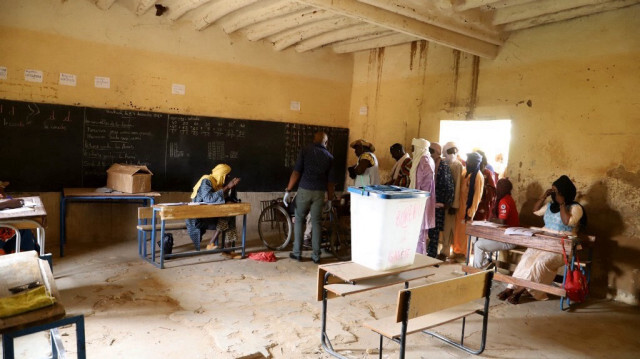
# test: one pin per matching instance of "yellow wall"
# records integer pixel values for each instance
(582, 78)
(225, 76)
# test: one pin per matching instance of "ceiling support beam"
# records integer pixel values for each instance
(473, 23)
(143, 6)
(372, 42)
(538, 8)
(290, 37)
(256, 13)
(406, 25)
(183, 7)
(569, 14)
(104, 4)
(339, 35)
(462, 5)
(220, 9)
(274, 26)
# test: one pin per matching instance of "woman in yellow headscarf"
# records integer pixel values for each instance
(211, 188)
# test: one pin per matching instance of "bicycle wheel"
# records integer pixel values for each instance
(341, 237)
(275, 227)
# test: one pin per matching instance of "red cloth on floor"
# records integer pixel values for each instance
(263, 256)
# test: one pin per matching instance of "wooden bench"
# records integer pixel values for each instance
(431, 305)
(144, 227)
(541, 241)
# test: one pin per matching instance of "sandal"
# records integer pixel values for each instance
(514, 299)
(505, 294)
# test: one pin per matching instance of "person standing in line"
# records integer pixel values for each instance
(450, 151)
(365, 171)
(488, 199)
(402, 168)
(505, 212)
(470, 195)
(421, 177)
(444, 196)
(314, 170)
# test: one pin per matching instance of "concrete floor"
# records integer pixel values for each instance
(212, 307)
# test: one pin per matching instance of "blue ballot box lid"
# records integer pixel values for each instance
(388, 192)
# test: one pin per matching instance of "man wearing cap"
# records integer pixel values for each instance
(421, 177)
(365, 171)
(314, 170)
(450, 151)
(444, 196)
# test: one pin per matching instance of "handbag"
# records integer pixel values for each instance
(575, 284)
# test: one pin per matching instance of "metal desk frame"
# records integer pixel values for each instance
(545, 242)
(89, 195)
(345, 278)
(166, 212)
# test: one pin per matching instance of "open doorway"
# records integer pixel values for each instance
(492, 137)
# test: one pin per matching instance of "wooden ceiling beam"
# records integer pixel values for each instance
(474, 23)
(104, 4)
(538, 8)
(569, 14)
(463, 5)
(339, 35)
(256, 13)
(143, 6)
(175, 12)
(372, 42)
(406, 25)
(292, 36)
(220, 9)
(274, 26)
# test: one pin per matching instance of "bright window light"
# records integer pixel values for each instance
(492, 137)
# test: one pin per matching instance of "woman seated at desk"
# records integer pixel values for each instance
(562, 216)
(211, 188)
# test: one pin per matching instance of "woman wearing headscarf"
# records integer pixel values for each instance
(564, 216)
(211, 188)
(504, 213)
(470, 196)
(421, 177)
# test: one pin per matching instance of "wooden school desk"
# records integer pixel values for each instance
(541, 241)
(90, 195)
(346, 278)
(185, 211)
(26, 218)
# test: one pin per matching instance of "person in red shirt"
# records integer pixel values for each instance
(504, 213)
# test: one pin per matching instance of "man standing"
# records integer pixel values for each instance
(444, 196)
(365, 171)
(450, 152)
(314, 170)
(421, 177)
(402, 168)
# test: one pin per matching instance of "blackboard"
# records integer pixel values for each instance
(48, 147)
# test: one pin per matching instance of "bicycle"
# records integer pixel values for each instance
(275, 227)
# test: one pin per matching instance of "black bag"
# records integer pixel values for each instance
(168, 243)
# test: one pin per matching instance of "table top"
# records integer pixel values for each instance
(25, 212)
(544, 241)
(353, 272)
(91, 192)
(185, 211)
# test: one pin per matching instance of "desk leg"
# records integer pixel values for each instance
(468, 250)
(161, 244)
(153, 238)
(244, 233)
(63, 220)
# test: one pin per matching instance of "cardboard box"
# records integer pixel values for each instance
(129, 178)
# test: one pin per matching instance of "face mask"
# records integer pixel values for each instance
(450, 157)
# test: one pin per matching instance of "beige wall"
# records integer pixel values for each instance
(225, 76)
(582, 78)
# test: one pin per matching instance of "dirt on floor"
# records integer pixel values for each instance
(209, 306)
